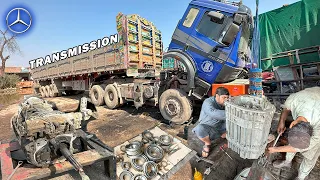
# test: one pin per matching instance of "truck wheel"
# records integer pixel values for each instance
(50, 91)
(96, 95)
(42, 91)
(175, 106)
(46, 90)
(54, 90)
(111, 97)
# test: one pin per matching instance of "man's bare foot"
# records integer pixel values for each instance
(224, 135)
(205, 151)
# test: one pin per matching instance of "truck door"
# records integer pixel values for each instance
(202, 42)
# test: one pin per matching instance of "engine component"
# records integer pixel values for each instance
(147, 135)
(139, 177)
(125, 165)
(45, 133)
(137, 162)
(154, 153)
(165, 140)
(134, 149)
(125, 175)
(150, 169)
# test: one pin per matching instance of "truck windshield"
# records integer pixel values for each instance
(212, 29)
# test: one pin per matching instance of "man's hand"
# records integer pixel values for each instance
(272, 150)
(281, 127)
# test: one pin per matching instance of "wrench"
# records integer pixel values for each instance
(198, 159)
(15, 169)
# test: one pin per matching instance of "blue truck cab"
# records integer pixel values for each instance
(209, 45)
(212, 42)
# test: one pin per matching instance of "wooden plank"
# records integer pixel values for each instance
(84, 158)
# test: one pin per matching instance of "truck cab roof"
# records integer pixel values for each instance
(230, 7)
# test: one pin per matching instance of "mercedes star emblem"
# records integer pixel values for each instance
(19, 20)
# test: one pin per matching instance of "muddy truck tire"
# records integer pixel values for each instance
(42, 91)
(50, 91)
(96, 95)
(175, 106)
(46, 91)
(111, 97)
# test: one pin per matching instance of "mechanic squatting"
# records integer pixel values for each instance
(77, 50)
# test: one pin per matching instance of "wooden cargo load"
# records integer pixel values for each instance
(138, 53)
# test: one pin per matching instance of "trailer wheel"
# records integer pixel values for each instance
(111, 97)
(96, 95)
(42, 91)
(50, 91)
(46, 90)
(175, 106)
(54, 90)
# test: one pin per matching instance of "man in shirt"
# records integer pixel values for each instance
(304, 132)
(212, 120)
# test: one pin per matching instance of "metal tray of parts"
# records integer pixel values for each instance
(175, 160)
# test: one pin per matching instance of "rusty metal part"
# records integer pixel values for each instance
(165, 140)
(125, 174)
(15, 169)
(150, 169)
(134, 149)
(40, 128)
(119, 158)
(154, 152)
(145, 141)
(147, 135)
(137, 162)
(126, 165)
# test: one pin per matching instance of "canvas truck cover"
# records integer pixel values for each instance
(290, 27)
(139, 50)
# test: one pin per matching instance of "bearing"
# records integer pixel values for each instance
(165, 140)
(154, 153)
(126, 165)
(150, 169)
(138, 162)
(125, 174)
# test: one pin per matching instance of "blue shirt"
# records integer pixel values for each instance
(212, 113)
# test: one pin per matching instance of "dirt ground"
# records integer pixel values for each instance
(113, 127)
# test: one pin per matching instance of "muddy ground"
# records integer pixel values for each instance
(113, 127)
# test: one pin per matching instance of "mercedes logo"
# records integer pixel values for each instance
(19, 20)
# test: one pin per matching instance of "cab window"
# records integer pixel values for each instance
(211, 29)
(193, 12)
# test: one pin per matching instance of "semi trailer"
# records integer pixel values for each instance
(209, 45)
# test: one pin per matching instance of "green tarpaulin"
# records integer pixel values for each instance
(290, 27)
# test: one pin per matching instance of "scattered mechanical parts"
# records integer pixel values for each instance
(139, 177)
(126, 165)
(45, 133)
(147, 135)
(124, 175)
(119, 158)
(137, 163)
(164, 163)
(154, 152)
(165, 140)
(150, 169)
(134, 149)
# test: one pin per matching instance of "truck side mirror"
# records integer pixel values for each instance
(230, 35)
(216, 17)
